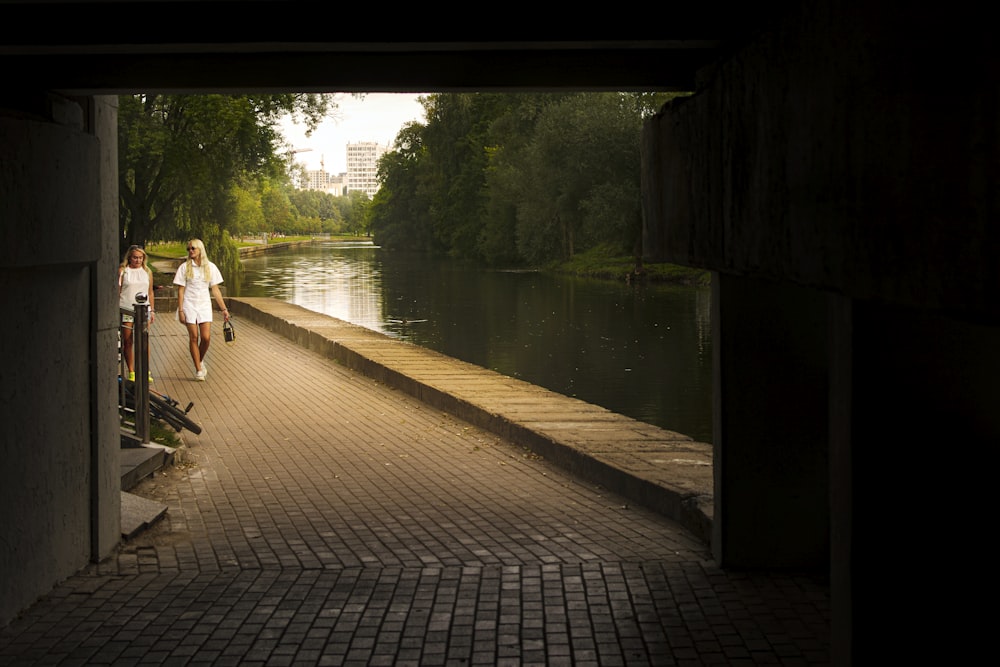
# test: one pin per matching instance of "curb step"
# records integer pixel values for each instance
(139, 513)
(139, 461)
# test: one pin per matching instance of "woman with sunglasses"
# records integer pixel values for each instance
(134, 277)
(198, 281)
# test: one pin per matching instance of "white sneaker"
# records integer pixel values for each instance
(204, 368)
(200, 375)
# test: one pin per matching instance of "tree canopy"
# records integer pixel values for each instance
(501, 179)
(193, 165)
(516, 178)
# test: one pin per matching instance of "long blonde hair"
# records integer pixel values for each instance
(124, 264)
(189, 270)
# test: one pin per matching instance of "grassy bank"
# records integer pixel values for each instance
(602, 264)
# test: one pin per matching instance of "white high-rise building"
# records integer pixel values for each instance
(362, 165)
(316, 180)
(326, 182)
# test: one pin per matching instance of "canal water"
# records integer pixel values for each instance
(640, 350)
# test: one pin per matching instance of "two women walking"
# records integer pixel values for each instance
(197, 281)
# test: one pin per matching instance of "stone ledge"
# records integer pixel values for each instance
(665, 471)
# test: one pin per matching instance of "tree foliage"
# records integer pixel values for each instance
(397, 216)
(581, 178)
(502, 179)
(190, 164)
(248, 213)
(515, 178)
(319, 212)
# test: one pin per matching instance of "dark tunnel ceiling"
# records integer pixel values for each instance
(177, 46)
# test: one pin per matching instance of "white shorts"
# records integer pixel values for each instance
(195, 314)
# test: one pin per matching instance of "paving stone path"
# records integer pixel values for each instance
(322, 518)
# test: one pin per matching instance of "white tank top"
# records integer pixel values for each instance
(134, 281)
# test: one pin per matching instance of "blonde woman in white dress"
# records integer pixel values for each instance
(198, 281)
(134, 277)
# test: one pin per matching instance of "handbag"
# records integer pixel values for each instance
(229, 331)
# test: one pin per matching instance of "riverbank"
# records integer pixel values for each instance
(519, 323)
(602, 264)
(598, 263)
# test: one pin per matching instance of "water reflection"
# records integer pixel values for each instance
(642, 351)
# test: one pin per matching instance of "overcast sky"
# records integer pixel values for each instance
(378, 117)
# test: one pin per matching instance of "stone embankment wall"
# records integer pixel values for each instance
(255, 250)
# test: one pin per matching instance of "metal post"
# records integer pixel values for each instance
(140, 343)
(122, 366)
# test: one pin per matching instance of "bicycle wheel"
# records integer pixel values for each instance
(162, 409)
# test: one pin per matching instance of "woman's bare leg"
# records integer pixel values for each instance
(127, 349)
(206, 339)
(193, 345)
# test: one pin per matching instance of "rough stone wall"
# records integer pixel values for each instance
(844, 151)
(849, 152)
(60, 478)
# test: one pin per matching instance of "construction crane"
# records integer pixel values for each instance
(322, 158)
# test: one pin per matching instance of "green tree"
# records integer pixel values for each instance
(304, 201)
(321, 209)
(456, 138)
(581, 176)
(329, 212)
(248, 215)
(279, 214)
(181, 155)
(505, 179)
(398, 216)
(512, 133)
(356, 220)
(344, 206)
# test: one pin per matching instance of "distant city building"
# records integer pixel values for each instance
(337, 184)
(320, 179)
(361, 174)
(362, 166)
(316, 180)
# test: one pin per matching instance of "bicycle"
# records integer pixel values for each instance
(162, 407)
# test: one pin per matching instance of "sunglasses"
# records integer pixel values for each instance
(191, 247)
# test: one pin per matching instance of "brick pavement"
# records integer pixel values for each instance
(324, 518)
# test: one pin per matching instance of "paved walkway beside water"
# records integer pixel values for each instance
(660, 469)
(328, 517)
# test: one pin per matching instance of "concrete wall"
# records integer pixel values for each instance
(59, 482)
(841, 151)
(839, 174)
(770, 425)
